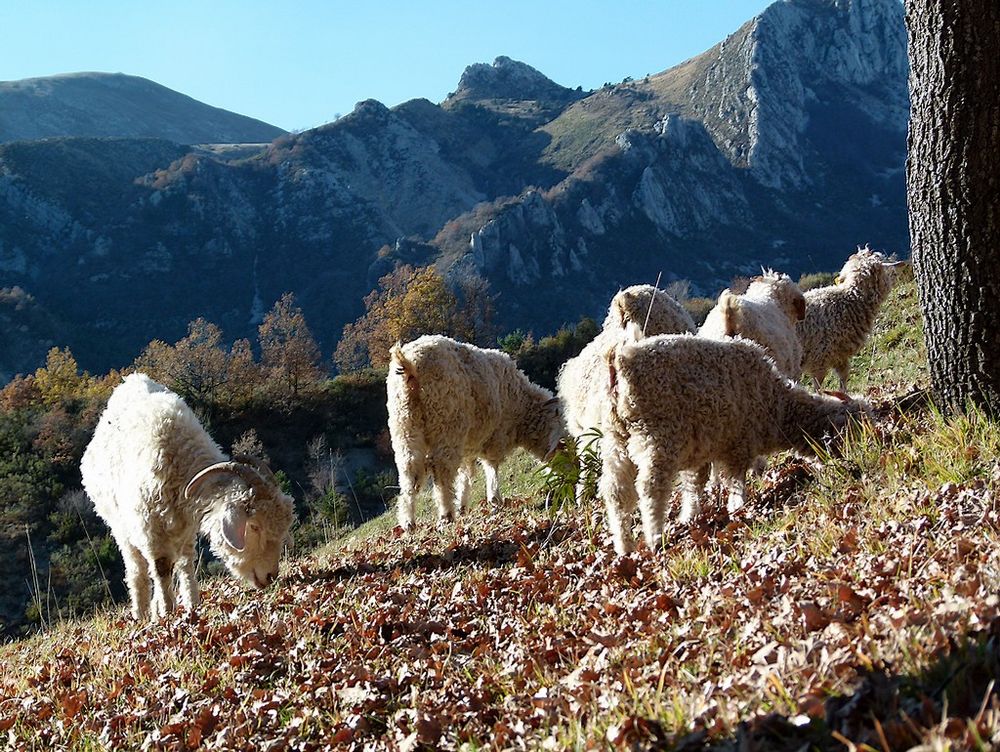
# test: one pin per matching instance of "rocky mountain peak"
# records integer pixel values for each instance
(850, 41)
(371, 108)
(508, 79)
(768, 83)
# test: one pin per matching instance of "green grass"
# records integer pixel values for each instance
(895, 357)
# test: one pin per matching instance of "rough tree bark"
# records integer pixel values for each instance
(953, 187)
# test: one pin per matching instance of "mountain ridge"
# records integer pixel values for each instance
(556, 204)
(115, 105)
(807, 128)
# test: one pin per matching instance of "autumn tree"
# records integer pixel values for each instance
(60, 379)
(196, 367)
(409, 302)
(475, 311)
(201, 369)
(288, 351)
(954, 201)
(245, 376)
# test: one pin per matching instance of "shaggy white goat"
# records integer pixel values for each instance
(632, 306)
(840, 317)
(580, 379)
(679, 403)
(766, 313)
(452, 403)
(157, 478)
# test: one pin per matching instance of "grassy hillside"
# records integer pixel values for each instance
(853, 604)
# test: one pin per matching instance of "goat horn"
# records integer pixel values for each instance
(256, 463)
(242, 471)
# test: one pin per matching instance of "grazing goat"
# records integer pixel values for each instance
(767, 313)
(840, 317)
(452, 403)
(653, 310)
(580, 378)
(157, 478)
(679, 403)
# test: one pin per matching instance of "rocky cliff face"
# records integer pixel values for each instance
(803, 57)
(375, 160)
(782, 146)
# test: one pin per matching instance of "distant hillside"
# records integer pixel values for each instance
(782, 146)
(101, 105)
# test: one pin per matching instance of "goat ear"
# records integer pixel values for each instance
(234, 526)
(800, 308)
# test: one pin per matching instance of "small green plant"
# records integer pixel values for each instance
(283, 481)
(590, 462)
(559, 476)
(373, 489)
(512, 342)
(332, 507)
(571, 475)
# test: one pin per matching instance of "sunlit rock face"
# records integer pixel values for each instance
(782, 146)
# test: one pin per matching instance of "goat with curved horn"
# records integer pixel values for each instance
(146, 469)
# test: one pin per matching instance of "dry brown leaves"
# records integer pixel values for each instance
(781, 627)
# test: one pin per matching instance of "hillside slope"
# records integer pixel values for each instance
(849, 604)
(113, 105)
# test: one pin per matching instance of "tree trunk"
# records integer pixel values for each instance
(953, 188)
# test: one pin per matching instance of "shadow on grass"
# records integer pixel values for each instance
(914, 402)
(494, 552)
(953, 704)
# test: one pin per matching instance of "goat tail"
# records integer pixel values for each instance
(629, 335)
(399, 365)
(730, 305)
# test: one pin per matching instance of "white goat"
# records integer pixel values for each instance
(840, 317)
(580, 379)
(767, 313)
(157, 478)
(652, 309)
(679, 403)
(452, 403)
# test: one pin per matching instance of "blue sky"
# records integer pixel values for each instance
(300, 64)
